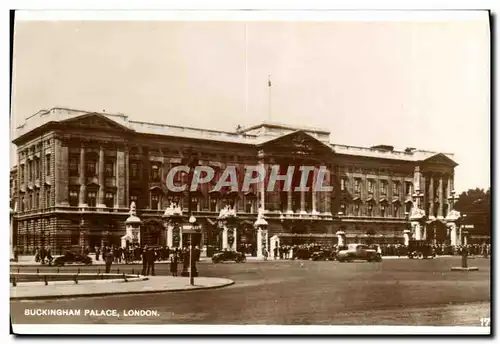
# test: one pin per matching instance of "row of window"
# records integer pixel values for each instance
(31, 168)
(357, 209)
(370, 186)
(32, 201)
(155, 201)
(91, 167)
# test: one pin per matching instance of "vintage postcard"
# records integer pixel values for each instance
(200, 171)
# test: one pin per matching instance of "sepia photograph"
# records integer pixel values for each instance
(204, 170)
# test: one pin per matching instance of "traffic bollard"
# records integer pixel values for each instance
(76, 279)
(45, 278)
(125, 277)
(464, 258)
(78, 271)
(57, 270)
(37, 271)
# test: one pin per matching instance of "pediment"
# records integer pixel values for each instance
(95, 121)
(440, 159)
(297, 143)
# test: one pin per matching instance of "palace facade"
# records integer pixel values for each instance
(78, 172)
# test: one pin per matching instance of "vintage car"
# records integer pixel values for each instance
(323, 255)
(420, 249)
(358, 252)
(72, 258)
(227, 256)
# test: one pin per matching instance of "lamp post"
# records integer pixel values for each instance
(191, 162)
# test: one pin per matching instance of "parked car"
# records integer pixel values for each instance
(420, 249)
(323, 255)
(72, 258)
(358, 252)
(226, 256)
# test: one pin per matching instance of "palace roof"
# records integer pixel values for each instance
(253, 135)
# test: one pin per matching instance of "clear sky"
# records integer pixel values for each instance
(409, 83)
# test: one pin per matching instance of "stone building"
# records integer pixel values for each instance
(78, 173)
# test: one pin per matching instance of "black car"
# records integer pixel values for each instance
(72, 258)
(323, 255)
(226, 256)
(420, 249)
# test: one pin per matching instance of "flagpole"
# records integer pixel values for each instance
(269, 86)
(246, 70)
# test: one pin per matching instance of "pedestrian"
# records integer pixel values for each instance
(109, 260)
(150, 258)
(144, 260)
(174, 260)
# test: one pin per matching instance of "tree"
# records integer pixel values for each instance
(476, 204)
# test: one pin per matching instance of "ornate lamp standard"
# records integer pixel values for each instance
(228, 218)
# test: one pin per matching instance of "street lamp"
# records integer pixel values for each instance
(192, 271)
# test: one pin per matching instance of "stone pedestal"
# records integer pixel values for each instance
(340, 238)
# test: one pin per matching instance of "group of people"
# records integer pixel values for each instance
(43, 255)
(305, 251)
(148, 255)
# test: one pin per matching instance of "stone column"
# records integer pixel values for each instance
(102, 182)
(235, 242)
(416, 184)
(262, 184)
(313, 191)
(453, 233)
(327, 195)
(431, 196)
(83, 182)
(262, 243)
(417, 230)
(340, 238)
(303, 202)
(406, 236)
(120, 201)
(170, 236)
(225, 243)
(289, 209)
(61, 181)
(441, 198)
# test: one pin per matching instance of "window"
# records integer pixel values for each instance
(30, 202)
(213, 204)
(29, 170)
(91, 198)
(370, 209)
(194, 204)
(382, 210)
(134, 170)
(36, 200)
(395, 188)
(408, 188)
(22, 173)
(370, 185)
(356, 209)
(383, 187)
(343, 184)
(342, 208)
(48, 202)
(357, 185)
(395, 210)
(73, 198)
(135, 199)
(155, 201)
(91, 168)
(249, 206)
(73, 166)
(75, 237)
(109, 169)
(155, 172)
(110, 200)
(47, 165)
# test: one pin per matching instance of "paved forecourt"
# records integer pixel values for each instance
(134, 285)
(393, 292)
